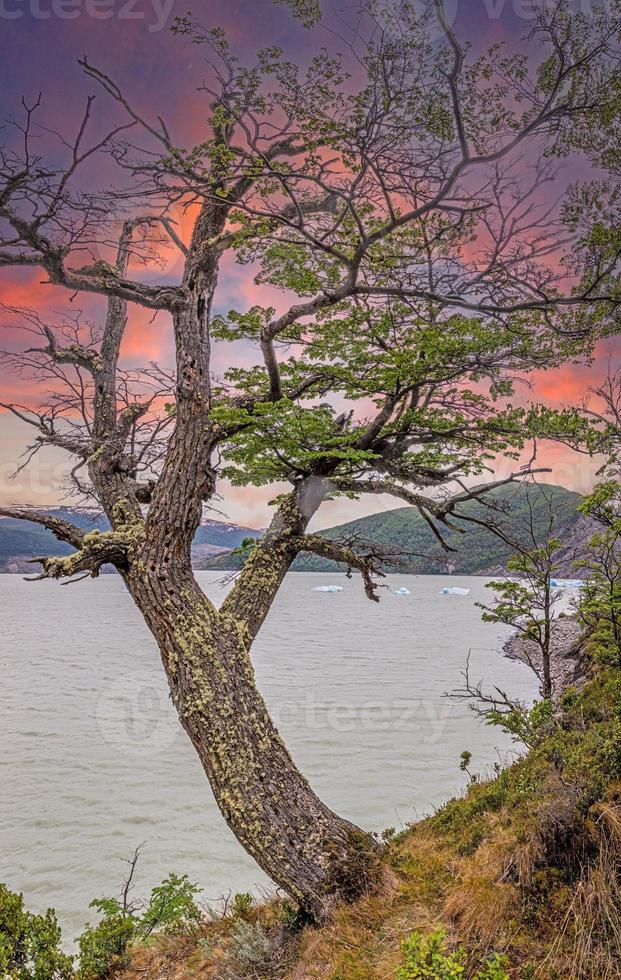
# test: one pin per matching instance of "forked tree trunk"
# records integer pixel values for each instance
(313, 854)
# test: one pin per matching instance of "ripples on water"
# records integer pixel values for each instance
(94, 762)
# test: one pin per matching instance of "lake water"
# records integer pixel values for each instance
(94, 762)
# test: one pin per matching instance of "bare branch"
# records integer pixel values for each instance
(97, 548)
(337, 551)
(63, 530)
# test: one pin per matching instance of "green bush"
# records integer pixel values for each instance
(242, 904)
(105, 945)
(171, 908)
(30, 944)
(428, 958)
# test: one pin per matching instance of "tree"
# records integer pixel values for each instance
(599, 607)
(526, 602)
(403, 214)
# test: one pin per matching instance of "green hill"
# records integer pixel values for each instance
(401, 532)
(404, 533)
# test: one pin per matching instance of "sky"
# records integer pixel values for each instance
(40, 42)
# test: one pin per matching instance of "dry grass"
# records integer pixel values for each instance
(555, 834)
(502, 895)
(426, 885)
(480, 908)
(482, 902)
(589, 942)
(212, 952)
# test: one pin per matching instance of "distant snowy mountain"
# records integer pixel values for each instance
(21, 541)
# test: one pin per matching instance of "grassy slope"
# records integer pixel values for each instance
(477, 550)
(527, 864)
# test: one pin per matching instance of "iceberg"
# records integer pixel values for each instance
(327, 588)
(453, 590)
(566, 583)
(402, 591)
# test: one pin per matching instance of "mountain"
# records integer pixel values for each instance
(21, 540)
(404, 533)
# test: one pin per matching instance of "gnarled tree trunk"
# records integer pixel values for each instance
(313, 854)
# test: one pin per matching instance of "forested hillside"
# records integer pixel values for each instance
(477, 551)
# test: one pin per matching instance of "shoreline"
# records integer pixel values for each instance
(568, 661)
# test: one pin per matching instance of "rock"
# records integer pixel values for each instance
(566, 652)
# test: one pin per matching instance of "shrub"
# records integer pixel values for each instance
(105, 945)
(29, 943)
(292, 916)
(242, 904)
(428, 958)
(252, 944)
(171, 908)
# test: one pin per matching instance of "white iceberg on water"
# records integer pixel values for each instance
(402, 591)
(566, 583)
(328, 588)
(454, 590)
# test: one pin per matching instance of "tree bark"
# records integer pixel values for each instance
(317, 857)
